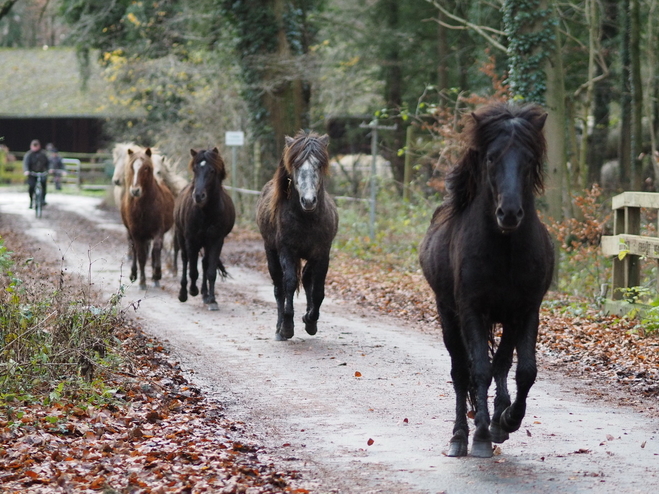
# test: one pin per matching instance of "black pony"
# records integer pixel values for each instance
(203, 215)
(298, 220)
(490, 260)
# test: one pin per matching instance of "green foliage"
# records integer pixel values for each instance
(52, 340)
(399, 228)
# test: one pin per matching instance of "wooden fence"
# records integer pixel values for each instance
(83, 170)
(628, 246)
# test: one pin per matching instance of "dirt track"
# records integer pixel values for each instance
(302, 399)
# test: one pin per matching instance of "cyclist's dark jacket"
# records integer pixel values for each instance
(35, 161)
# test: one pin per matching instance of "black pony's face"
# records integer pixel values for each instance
(307, 179)
(509, 174)
(204, 176)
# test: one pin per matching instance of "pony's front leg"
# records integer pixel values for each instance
(204, 276)
(475, 331)
(156, 260)
(133, 259)
(183, 292)
(501, 363)
(194, 272)
(313, 280)
(274, 267)
(210, 275)
(511, 418)
(290, 283)
(142, 251)
(458, 445)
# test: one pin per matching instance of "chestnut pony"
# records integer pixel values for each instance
(147, 210)
(489, 260)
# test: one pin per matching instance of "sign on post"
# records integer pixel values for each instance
(234, 139)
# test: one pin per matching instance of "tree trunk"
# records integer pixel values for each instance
(602, 93)
(6, 7)
(394, 92)
(288, 102)
(443, 52)
(625, 149)
(555, 132)
(637, 95)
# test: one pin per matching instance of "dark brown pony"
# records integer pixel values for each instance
(489, 260)
(204, 215)
(147, 212)
(298, 220)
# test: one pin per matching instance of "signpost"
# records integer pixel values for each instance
(234, 139)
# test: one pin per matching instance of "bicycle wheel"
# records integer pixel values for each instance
(38, 200)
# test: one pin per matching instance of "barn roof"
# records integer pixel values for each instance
(45, 83)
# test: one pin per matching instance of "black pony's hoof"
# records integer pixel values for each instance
(280, 337)
(183, 297)
(311, 327)
(287, 330)
(213, 306)
(194, 291)
(142, 286)
(510, 423)
(497, 433)
(481, 449)
(458, 445)
(156, 284)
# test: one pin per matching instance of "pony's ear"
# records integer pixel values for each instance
(130, 151)
(289, 140)
(148, 152)
(324, 140)
(193, 153)
(476, 118)
(539, 122)
(216, 151)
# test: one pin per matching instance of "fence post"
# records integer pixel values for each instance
(407, 174)
(374, 151)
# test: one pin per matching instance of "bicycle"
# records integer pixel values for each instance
(38, 192)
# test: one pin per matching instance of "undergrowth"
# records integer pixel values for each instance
(54, 342)
(399, 228)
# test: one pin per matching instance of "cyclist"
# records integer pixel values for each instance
(35, 160)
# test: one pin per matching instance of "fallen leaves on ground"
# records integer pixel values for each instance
(165, 437)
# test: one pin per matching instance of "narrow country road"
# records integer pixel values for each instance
(314, 402)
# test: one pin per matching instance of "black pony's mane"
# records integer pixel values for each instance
(523, 123)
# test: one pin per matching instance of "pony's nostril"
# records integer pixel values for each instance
(520, 214)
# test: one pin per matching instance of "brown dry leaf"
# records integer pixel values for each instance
(358, 374)
(370, 442)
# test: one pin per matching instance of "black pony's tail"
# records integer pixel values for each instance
(222, 270)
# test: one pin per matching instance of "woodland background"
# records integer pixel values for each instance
(271, 67)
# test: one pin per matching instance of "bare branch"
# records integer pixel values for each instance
(477, 29)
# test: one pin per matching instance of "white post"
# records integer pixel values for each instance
(233, 140)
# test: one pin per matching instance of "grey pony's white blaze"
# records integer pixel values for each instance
(307, 182)
(135, 189)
